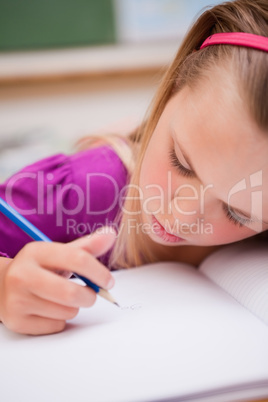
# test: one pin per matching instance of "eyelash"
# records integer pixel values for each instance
(235, 220)
(177, 164)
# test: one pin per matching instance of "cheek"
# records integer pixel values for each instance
(154, 184)
(155, 163)
(154, 174)
(226, 232)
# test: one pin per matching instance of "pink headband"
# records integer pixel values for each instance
(237, 39)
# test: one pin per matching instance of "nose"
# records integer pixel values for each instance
(187, 205)
(185, 214)
(190, 205)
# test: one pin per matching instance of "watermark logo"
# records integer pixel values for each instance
(67, 201)
(255, 181)
(76, 228)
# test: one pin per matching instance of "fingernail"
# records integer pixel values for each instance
(111, 283)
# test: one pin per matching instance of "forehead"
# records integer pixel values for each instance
(221, 139)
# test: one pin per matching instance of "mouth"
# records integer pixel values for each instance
(161, 232)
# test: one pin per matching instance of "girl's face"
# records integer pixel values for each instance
(204, 177)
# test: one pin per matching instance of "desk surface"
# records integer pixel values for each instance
(92, 61)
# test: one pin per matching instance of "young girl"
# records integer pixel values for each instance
(193, 177)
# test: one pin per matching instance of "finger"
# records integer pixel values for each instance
(65, 257)
(97, 243)
(34, 325)
(47, 309)
(56, 289)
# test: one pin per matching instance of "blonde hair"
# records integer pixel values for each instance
(248, 68)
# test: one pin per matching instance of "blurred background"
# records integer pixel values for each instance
(69, 68)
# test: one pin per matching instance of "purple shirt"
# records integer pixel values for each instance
(65, 196)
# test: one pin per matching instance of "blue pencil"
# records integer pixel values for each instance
(36, 234)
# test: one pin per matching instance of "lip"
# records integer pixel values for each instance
(161, 232)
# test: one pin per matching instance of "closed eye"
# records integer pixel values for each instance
(174, 161)
(235, 219)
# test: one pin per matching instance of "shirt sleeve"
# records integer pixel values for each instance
(65, 196)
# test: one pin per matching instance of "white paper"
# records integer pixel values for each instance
(177, 335)
(242, 271)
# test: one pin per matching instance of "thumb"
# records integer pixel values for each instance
(97, 243)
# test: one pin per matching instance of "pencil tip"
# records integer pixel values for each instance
(116, 304)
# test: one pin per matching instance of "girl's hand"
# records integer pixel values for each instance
(35, 300)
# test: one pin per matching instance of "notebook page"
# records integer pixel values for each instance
(242, 271)
(176, 335)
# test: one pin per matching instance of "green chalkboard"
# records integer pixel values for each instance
(35, 24)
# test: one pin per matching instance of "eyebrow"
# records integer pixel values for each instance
(237, 211)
